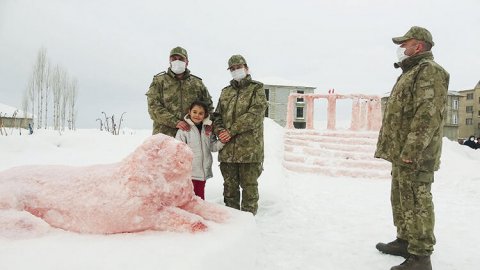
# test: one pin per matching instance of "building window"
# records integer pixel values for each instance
(455, 104)
(300, 112)
(267, 94)
(478, 113)
(469, 121)
(470, 96)
(455, 119)
(479, 100)
(469, 109)
(300, 99)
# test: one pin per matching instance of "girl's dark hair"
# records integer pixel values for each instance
(200, 104)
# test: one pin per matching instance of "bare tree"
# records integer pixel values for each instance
(30, 97)
(48, 82)
(110, 122)
(101, 123)
(72, 99)
(48, 88)
(114, 125)
(57, 92)
(106, 121)
(60, 97)
(64, 101)
(120, 122)
(25, 109)
(39, 81)
(15, 122)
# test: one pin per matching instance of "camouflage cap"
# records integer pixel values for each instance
(179, 51)
(236, 59)
(416, 32)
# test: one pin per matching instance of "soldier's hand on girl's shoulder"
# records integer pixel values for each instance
(183, 125)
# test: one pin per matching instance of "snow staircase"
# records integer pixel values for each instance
(334, 153)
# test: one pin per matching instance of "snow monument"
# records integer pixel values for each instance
(148, 190)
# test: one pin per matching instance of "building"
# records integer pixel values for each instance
(452, 119)
(277, 92)
(469, 116)
(11, 117)
(452, 125)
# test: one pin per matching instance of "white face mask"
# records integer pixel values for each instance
(239, 74)
(401, 54)
(178, 67)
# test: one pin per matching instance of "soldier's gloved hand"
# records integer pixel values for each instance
(183, 125)
(408, 161)
(224, 136)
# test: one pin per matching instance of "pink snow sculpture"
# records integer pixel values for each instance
(149, 190)
(21, 224)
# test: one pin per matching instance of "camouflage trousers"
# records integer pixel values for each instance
(244, 175)
(412, 208)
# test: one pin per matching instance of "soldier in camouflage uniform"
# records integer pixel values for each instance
(239, 123)
(171, 93)
(411, 139)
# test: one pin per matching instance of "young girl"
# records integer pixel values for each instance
(202, 141)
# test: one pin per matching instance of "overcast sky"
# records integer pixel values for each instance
(114, 48)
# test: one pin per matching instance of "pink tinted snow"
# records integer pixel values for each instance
(149, 190)
(334, 153)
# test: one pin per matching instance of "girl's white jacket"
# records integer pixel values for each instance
(202, 144)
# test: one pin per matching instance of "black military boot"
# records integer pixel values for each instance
(397, 247)
(415, 262)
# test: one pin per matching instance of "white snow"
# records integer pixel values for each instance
(7, 110)
(305, 221)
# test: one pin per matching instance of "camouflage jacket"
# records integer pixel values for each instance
(412, 125)
(240, 110)
(169, 99)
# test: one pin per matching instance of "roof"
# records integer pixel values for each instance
(454, 93)
(466, 91)
(9, 110)
(283, 82)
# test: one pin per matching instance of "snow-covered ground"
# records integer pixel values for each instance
(305, 221)
(9, 111)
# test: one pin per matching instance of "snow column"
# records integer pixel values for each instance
(355, 124)
(309, 103)
(290, 104)
(376, 114)
(331, 111)
(370, 114)
(363, 115)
